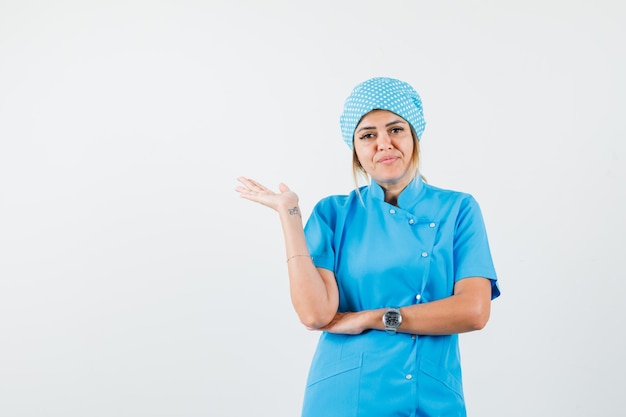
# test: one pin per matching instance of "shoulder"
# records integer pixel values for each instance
(448, 195)
(340, 201)
(447, 204)
(331, 208)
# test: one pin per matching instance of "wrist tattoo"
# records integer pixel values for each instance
(294, 211)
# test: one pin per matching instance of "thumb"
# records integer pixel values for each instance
(283, 188)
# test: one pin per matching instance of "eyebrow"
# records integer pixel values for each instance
(387, 125)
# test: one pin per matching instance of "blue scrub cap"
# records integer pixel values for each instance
(381, 93)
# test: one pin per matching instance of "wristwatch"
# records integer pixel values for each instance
(392, 319)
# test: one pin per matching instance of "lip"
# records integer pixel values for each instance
(388, 159)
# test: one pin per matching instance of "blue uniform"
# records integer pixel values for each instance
(388, 256)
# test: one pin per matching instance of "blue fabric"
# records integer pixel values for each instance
(385, 256)
(385, 94)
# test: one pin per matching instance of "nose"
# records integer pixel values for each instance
(384, 142)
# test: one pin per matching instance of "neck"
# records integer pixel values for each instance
(392, 192)
(393, 200)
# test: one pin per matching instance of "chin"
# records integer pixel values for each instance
(386, 180)
(392, 179)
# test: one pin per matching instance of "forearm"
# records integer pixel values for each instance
(456, 314)
(314, 292)
(467, 310)
(314, 297)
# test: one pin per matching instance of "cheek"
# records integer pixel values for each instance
(365, 150)
(408, 148)
(364, 160)
(358, 152)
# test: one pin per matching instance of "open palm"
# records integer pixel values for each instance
(254, 191)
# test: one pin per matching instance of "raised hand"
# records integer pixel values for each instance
(253, 191)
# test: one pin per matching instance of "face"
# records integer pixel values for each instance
(384, 146)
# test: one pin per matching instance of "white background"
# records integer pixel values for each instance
(135, 282)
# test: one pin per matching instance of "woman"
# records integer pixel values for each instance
(390, 274)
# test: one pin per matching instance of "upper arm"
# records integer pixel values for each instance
(476, 295)
(476, 287)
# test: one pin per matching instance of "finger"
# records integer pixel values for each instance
(245, 181)
(251, 184)
(248, 186)
(283, 188)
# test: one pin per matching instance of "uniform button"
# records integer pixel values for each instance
(411, 221)
(392, 211)
(424, 254)
(418, 297)
(409, 376)
(432, 225)
(413, 337)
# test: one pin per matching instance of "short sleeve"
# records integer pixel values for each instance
(472, 255)
(319, 232)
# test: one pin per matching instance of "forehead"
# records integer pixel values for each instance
(379, 117)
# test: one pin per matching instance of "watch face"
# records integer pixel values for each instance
(392, 319)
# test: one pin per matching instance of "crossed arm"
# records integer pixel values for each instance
(315, 296)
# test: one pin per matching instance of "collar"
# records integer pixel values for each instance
(407, 197)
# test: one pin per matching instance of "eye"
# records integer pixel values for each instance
(397, 130)
(366, 136)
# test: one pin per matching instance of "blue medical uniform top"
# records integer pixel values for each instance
(388, 256)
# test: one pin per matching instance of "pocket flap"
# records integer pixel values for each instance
(321, 372)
